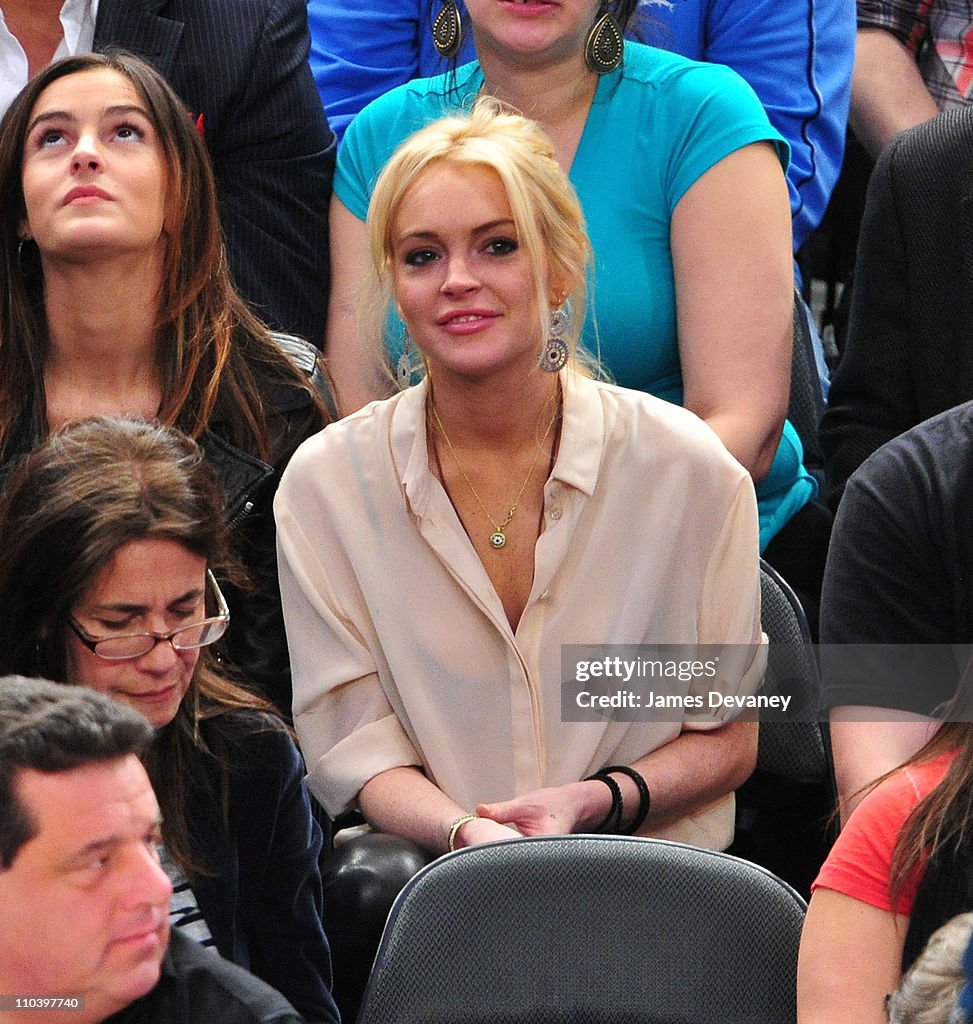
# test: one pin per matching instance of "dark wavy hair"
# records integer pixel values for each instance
(82, 494)
(941, 823)
(622, 9)
(211, 349)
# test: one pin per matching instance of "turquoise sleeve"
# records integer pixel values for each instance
(724, 115)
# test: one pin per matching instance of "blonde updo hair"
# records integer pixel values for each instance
(546, 213)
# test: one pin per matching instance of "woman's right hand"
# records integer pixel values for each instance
(483, 830)
(404, 802)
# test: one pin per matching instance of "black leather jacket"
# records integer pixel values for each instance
(255, 642)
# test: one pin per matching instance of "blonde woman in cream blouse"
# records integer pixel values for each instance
(438, 548)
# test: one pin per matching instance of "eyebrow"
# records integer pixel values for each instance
(66, 115)
(136, 609)
(108, 843)
(481, 229)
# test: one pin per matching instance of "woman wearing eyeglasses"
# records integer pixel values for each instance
(110, 534)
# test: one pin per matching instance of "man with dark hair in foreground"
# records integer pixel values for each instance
(84, 904)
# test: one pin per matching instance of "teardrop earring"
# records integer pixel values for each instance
(604, 47)
(447, 30)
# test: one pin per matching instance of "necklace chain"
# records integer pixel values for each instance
(498, 538)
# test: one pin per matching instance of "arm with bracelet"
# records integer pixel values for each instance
(694, 770)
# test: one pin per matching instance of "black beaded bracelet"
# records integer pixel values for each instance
(645, 799)
(614, 815)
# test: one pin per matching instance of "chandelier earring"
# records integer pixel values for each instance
(405, 367)
(447, 30)
(604, 47)
(554, 354)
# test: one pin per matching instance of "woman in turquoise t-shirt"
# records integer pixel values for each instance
(680, 176)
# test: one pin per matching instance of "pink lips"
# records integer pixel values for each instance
(530, 8)
(84, 194)
(467, 321)
(155, 696)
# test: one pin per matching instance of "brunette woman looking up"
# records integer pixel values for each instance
(111, 538)
(118, 301)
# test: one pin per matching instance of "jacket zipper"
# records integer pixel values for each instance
(241, 515)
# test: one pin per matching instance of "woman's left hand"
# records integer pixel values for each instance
(690, 772)
(553, 811)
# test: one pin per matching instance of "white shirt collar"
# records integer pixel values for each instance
(78, 22)
(579, 454)
(78, 18)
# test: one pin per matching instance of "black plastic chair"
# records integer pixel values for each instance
(588, 929)
(784, 811)
(797, 747)
(806, 405)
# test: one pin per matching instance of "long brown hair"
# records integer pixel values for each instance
(941, 821)
(212, 351)
(82, 494)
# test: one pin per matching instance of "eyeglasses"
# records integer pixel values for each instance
(185, 638)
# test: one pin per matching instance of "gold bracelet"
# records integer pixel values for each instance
(455, 827)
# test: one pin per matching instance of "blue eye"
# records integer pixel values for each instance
(129, 132)
(50, 137)
(420, 257)
(501, 246)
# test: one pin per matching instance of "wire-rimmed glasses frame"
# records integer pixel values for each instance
(190, 637)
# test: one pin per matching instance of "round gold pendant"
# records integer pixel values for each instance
(497, 539)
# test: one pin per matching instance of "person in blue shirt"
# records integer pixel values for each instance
(798, 57)
(796, 54)
(360, 51)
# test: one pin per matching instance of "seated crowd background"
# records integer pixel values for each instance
(521, 381)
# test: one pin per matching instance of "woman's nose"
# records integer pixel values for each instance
(459, 276)
(161, 658)
(87, 155)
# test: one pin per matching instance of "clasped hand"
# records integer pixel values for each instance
(553, 811)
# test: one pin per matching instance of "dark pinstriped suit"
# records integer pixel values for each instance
(242, 64)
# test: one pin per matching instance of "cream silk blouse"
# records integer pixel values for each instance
(400, 649)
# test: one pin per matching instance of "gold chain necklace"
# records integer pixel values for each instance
(498, 537)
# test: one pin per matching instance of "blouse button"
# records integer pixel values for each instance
(556, 512)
